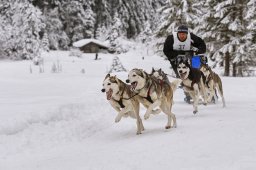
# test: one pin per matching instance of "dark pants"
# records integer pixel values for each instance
(174, 67)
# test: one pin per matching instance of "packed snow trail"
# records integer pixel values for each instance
(62, 121)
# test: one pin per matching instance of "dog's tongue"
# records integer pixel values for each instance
(109, 94)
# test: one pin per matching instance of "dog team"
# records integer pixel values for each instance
(155, 92)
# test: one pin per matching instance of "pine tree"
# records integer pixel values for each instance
(3, 38)
(23, 23)
(146, 35)
(114, 34)
(102, 33)
(251, 33)
(227, 28)
(116, 65)
(58, 38)
(45, 42)
(89, 22)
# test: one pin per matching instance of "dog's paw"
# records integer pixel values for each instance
(138, 133)
(167, 127)
(118, 118)
(209, 100)
(146, 116)
(195, 111)
(157, 111)
(174, 125)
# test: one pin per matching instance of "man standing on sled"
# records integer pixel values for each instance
(182, 42)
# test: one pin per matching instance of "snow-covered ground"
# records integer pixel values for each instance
(62, 121)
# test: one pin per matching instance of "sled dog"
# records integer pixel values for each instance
(212, 83)
(122, 99)
(153, 94)
(162, 76)
(192, 82)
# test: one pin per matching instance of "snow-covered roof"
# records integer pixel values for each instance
(83, 42)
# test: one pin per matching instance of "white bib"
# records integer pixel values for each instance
(181, 46)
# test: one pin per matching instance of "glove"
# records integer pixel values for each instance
(194, 49)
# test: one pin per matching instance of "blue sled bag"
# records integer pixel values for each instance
(196, 61)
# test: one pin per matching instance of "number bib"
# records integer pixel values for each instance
(181, 46)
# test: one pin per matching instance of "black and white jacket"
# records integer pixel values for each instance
(171, 50)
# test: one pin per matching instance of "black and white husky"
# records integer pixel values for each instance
(192, 81)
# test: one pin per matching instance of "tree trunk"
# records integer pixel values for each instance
(240, 69)
(234, 70)
(226, 64)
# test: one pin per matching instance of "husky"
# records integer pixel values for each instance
(162, 77)
(153, 94)
(122, 99)
(212, 83)
(192, 81)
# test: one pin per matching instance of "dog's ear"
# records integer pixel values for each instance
(160, 70)
(144, 74)
(141, 72)
(121, 85)
(116, 79)
(108, 75)
(153, 70)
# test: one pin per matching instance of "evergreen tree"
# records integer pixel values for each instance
(58, 38)
(116, 65)
(226, 26)
(23, 23)
(73, 19)
(45, 42)
(2, 39)
(114, 34)
(207, 21)
(89, 22)
(29, 20)
(102, 33)
(251, 33)
(146, 35)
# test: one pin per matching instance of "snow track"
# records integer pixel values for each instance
(62, 121)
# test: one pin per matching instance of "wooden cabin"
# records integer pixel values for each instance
(90, 45)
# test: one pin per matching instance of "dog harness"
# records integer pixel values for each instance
(189, 87)
(120, 102)
(148, 95)
(148, 98)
